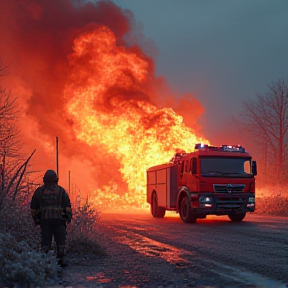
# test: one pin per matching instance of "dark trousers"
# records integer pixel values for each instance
(59, 233)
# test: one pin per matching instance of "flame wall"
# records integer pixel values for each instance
(78, 77)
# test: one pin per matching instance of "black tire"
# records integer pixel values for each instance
(156, 211)
(185, 210)
(237, 217)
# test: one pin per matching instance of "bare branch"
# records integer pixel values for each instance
(24, 166)
(267, 118)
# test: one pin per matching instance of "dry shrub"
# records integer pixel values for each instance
(272, 205)
(18, 222)
(83, 237)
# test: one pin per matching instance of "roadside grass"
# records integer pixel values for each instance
(22, 262)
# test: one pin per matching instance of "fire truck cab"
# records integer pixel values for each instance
(209, 181)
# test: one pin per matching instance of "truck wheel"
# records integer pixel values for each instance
(157, 212)
(237, 217)
(185, 211)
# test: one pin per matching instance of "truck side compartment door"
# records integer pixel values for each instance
(151, 184)
(161, 178)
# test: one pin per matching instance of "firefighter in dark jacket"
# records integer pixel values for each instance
(51, 209)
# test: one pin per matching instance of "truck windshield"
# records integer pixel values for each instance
(225, 167)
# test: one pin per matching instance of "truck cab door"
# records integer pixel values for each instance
(183, 174)
(193, 179)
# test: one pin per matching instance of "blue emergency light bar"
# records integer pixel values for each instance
(233, 148)
(228, 148)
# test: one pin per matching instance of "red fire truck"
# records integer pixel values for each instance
(209, 181)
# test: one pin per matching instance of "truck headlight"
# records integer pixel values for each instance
(205, 199)
(251, 203)
(251, 200)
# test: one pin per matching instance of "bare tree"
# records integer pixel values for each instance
(266, 118)
(13, 166)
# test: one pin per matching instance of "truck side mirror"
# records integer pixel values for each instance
(194, 165)
(254, 168)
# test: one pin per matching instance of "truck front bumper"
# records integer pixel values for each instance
(223, 203)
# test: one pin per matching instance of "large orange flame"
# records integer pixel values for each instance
(133, 130)
(101, 98)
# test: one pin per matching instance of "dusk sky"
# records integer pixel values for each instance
(222, 52)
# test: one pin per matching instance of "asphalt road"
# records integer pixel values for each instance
(214, 252)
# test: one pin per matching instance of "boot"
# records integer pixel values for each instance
(62, 261)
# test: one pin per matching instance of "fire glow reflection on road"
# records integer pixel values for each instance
(134, 234)
(152, 248)
(172, 255)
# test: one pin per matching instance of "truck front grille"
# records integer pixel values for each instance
(230, 203)
(228, 188)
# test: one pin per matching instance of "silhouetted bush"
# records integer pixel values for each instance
(83, 236)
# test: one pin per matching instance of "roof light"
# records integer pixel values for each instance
(233, 148)
(201, 146)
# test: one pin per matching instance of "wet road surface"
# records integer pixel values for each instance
(215, 252)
